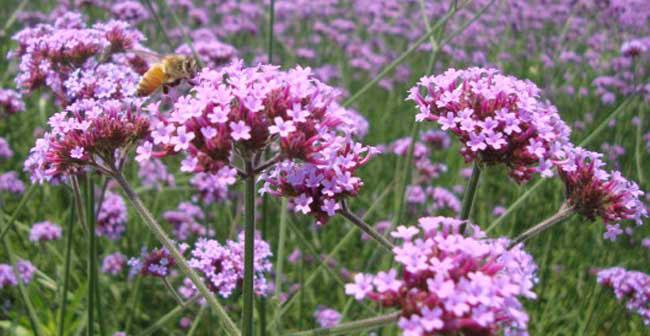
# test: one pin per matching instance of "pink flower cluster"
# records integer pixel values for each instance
(10, 102)
(594, 192)
(44, 231)
(153, 174)
(130, 11)
(50, 53)
(113, 264)
(5, 149)
(498, 119)
(327, 317)
(212, 52)
(631, 286)
(453, 283)
(93, 133)
(156, 263)
(112, 217)
(185, 223)
(213, 187)
(222, 266)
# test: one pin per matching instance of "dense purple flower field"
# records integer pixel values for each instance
(329, 167)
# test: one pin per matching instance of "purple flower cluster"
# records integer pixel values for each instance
(25, 272)
(10, 183)
(212, 52)
(631, 286)
(184, 221)
(156, 263)
(130, 11)
(327, 317)
(112, 217)
(498, 119)
(5, 149)
(113, 264)
(222, 266)
(153, 174)
(10, 102)
(49, 54)
(453, 282)
(213, 187)
(44, 231)
(594, 192)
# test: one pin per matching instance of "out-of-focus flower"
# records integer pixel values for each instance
(112, 217)
(153, 174)
(7, 276)
(594, 192)
(156, 263)
(44, 231)
(213, 187)
(130, 11)
(5, 150)
(25, 271)
(222, 266)
(212, 52)
(629, 286)
(327, 317)
(633, 48)
(113, 264)
(498, 119)
(453, 282)
(10, 102)
(9, 182)
(185, 221)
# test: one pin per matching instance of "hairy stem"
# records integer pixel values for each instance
(565, 212)
(89, 199)
(184, 267)
(470, 192)
(66, 273)
(249, 248)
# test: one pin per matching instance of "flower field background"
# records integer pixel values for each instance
(409, 168)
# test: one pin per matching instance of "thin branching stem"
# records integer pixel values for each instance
(563, 213)
(470, 192)
(184, 267)
(21, 204)
(66, 273)
(365, 227)
(169, 316)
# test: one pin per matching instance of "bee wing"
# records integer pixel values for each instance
(147, 55)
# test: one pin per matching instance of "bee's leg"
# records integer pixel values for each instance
(165, 88)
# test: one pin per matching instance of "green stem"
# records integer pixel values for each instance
(90, 224)
(279, 261)
(21, 204)
(168, 317)
(264, 228)
(196, 322)
(565, 212)
(404, 178)
(271, 23)
(352, 328)
(66, 273)
(249, 249)
(470, 192)
(184, 267)
(638, 147)
(365, 227)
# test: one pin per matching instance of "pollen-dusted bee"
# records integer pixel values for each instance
(166, 71)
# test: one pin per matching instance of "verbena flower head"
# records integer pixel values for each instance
(88, 134)
(130, 11)
(44, 231)
(327, 317)
(629, 286)
(156, 263)
(11, 102)
(452, 282)
(7, 276)
(153, 174)
(185, 221)
(212, 52)
(5, 149)
(10, 183)
(594, 192)
(112, 217)
(222, 266)
(633, 48)
(213, 187)
(498, 119)
(113, 264)
(25, 271)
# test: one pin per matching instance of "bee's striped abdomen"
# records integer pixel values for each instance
(151, 80)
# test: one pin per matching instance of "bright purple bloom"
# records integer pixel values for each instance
(213, 187)
(7, 276)
(25, 271)
(629, 286)
(44, 231)
(185, 221)
(156, 263)
(327, 317)
(11, 102)
(5, 150)
(112, 217)
(453, 282)
(113, 264)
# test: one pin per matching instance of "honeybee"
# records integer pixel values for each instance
(166, 71)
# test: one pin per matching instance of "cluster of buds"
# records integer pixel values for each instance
(96, 134)
(44, 231)
(49, 54)
(631, 286)
(453, 283)
(594, 192)
(112, 217)
(222, 266)
(10, 102)
(185, 221)
(156, 263)
(498, 119)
